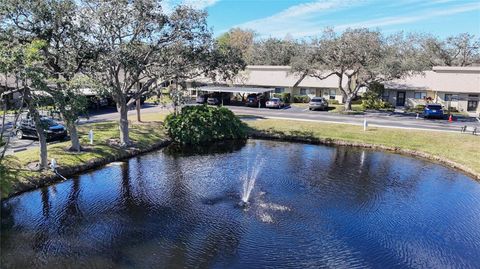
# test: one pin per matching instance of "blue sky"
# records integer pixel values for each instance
(304, 18)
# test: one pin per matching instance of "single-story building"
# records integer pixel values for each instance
(454, 87)
(280, 79)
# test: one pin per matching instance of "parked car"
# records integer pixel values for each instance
(433, 111)
(201, 98)
(214, 100)
(318, 103)
(53, 130)
(275, 103)
(254, 100)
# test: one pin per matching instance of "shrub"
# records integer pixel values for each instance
(376, 104)
(357, 101)
(333, 102)
(285, 97)
(452, 109)
(301, 99)
(372, 99)
(202, 124)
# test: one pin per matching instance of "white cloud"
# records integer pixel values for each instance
(311, 18)
(169, 5)
(395, 20)
(200, 4)
(295, 18)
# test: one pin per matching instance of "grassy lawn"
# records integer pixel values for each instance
(356, 109)
(144, 134)
(463, 149)
(460, 148)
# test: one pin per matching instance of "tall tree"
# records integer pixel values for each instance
(132, 36)
(24, 62)
(357, 58)
(274, 51)
(241, 40)
(66, 51)
(460, 50)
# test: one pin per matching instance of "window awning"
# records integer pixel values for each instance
(235, 89)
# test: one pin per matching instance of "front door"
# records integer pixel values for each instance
(472, 105)
(400, 98)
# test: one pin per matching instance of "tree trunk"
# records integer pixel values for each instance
(348, 103)
(41, 138)
(72, 130)
(138, 110)
(123, 124)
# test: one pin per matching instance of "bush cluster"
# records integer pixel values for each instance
(372, 99)
(376, 104)
(333, 102)
(285, 97)
(197, 125)
(301, 99)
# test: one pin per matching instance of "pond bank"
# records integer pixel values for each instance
(146, 137)
(461, 152)
(338, 142)
(48, 177)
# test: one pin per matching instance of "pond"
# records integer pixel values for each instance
(310, 206)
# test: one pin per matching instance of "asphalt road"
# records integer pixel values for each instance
(374, 119)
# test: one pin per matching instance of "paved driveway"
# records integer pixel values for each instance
(388, 120)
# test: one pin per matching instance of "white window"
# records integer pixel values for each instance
(420, 95)
(303, 91)
(279, 90)
(332, 94)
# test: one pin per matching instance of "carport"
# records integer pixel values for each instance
(235, 90)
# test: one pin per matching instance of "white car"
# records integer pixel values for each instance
(275, 103)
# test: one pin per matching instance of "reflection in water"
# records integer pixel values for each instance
(312, 206)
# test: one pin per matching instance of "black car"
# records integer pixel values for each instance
(254, 100)
(53, 130)
(218, 99)
(201, 98)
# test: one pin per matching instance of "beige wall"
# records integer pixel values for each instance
(461, 104)
(324, 92)
(437, 97)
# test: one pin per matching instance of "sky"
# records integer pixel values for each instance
(306, 18)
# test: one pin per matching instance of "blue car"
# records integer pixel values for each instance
(433, 111)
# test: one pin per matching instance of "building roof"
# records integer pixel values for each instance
(443, 79)
(280, 76)
(235, 89)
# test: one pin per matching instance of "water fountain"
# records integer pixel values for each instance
(249, 179)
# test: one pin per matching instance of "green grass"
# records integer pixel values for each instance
(143, 135)
(356, 109)
(460, 148)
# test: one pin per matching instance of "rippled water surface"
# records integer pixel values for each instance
(311, 206)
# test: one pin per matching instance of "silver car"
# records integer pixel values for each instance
(318, 103)
(275, 103)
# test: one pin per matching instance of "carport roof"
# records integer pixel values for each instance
(235, 89)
